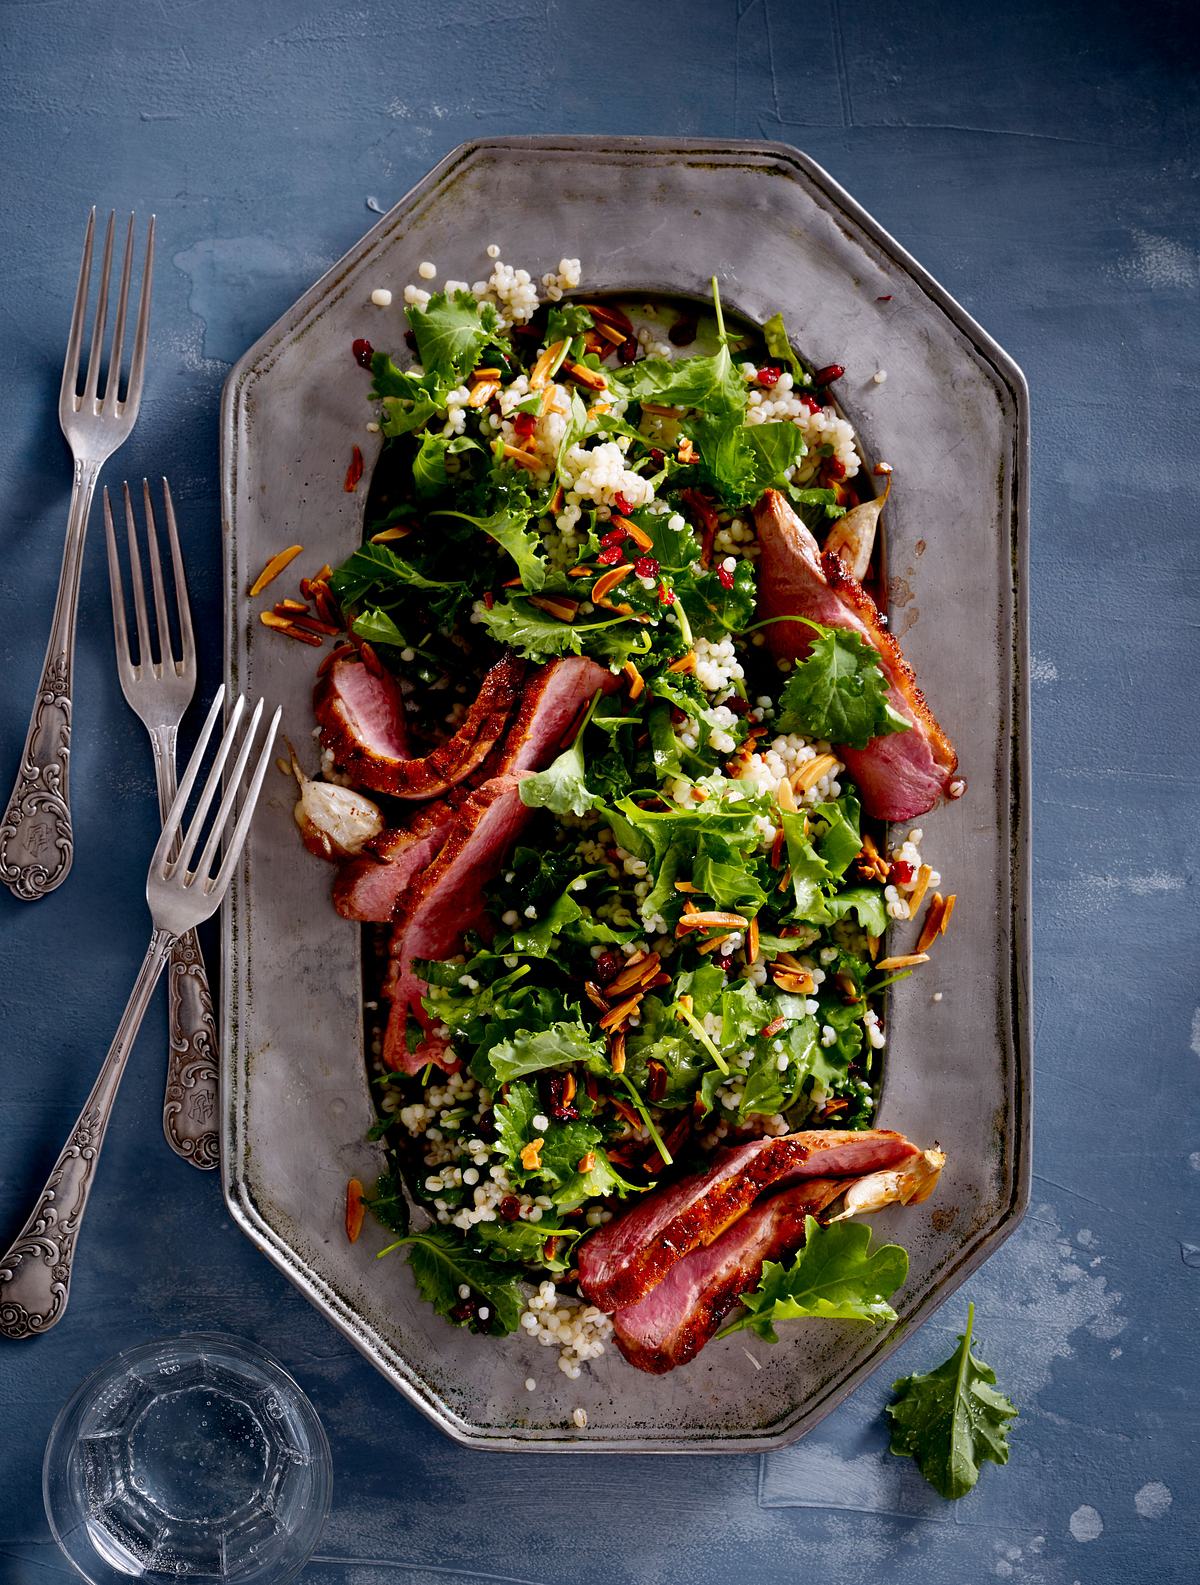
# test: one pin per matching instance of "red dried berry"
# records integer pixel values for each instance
(608, 965)
(811, 403)
(525, 423)
(610, 555)
(363, 352)
(724, 577)
(901, 872)
(768, 375)
(622, 505)
(665, 596)
(627, 351)
(678, 716)
(835, 468)
(656, 456)
(510, 1208)
(646, 567)
(827, 375)
(615, 536)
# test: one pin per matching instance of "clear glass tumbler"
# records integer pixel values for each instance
(197, 1458)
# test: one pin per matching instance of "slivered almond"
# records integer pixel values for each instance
(710, 919)
(524, 459)
(638, 535)
(274, 567)
(847, 987)
(917, 896)
(713, 943)
(689, 908)
(637, 683)
(580, 572)
(484, 374)
(700, 795)
(785, 797)
(946, 912)
(585, 376)
(556, 503)
(531, 1155)
(616, 1051)
(611, 333)
(662, 412)
(283, 607)
(482, 393)
(777, 848)
(873, 946)
(592, 991)
(685, 665)
(752, 942)
(311, 624)
(386, 535)
(569, 1088)
(810, 774)
(785, 880)
(903, 960)
(547, 360)
(355, 1209)
(280, 624)
(635, 974)
(790, 961)
(685, 886)
(686, 452)
(773, 1028)
(933, 922)
(586, 1163)
(322, 576)
(560, 606)
(282, 766)
(616, 1016)
(801, 984)
(608, 581)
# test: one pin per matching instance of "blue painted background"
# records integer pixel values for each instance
(1041, 160)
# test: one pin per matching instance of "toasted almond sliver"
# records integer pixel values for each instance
(594, 995)
(540, 372)
(917, 896)
(933, 921)
(752, 942)
(638, 535)
(711, 919)
(282, 766)
(685, 886)
(556, 605)
(713, 943)
(531, 1155)
(274, 567)
(801, 984)
(685, 665)
(608, 581)
(484, 374)
(580, 572)
(524, 459)
(947, 910)
(355, 1209)
(280, 624)
(282, 607)
(661, 412)
(556, 503)
(903, 960)
(617, 1052)
(873, 946)
(785, 797)
(635, 974)
(587, 1162)
(585, 376)
(387, 534)
(810, 774)
(482, 393)
(617, 1015)
(637, 683)
(611, 333)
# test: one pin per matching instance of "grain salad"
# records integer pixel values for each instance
(619, 828)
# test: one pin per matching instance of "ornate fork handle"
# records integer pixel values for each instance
(190, 1097)
(35, 1273)
(36, 842)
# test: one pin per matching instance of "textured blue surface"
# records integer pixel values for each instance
(1041, 160)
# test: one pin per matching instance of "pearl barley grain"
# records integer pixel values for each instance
(879, 376)
(493, 250)
(381, 297)
(426, 270)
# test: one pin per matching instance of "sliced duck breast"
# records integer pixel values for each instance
(622, 1261)
(362, 722)
(902, 774)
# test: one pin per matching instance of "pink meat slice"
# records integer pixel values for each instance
(362, 723)
(677, 1317)
(621, 1262)
(905, 773)
(370, 887)
(444, 901)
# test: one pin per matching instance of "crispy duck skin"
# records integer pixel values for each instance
(362, 722)
(688, 1307)
(621, 1262)
(902, 774)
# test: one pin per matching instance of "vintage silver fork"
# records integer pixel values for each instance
(35, 1273)
(36, 844)
(158, 692)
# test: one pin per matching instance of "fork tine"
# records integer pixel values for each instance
(165, 655)
(182, 606)
(174, 821)
(75, 337)
(145, 658)
(137, 369)
(112, 382)
(232, 788)
(93, 368)
(237, 840)
(115, 586)
(212, 782)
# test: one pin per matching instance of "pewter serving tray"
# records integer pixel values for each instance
(952, 418)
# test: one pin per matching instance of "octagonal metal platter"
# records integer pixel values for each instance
(643, 215)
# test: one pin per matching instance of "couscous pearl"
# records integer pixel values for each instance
(381, 297)
(493, 250)
(426, 270)
(530, 1383)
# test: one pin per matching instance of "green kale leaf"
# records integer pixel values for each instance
(531, 1051)
(451, 332)
(509, 527)
(952, 1419)
(780, 347)
(831, 1278)
(442, 1263)
(561, 787)
(838, 692)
